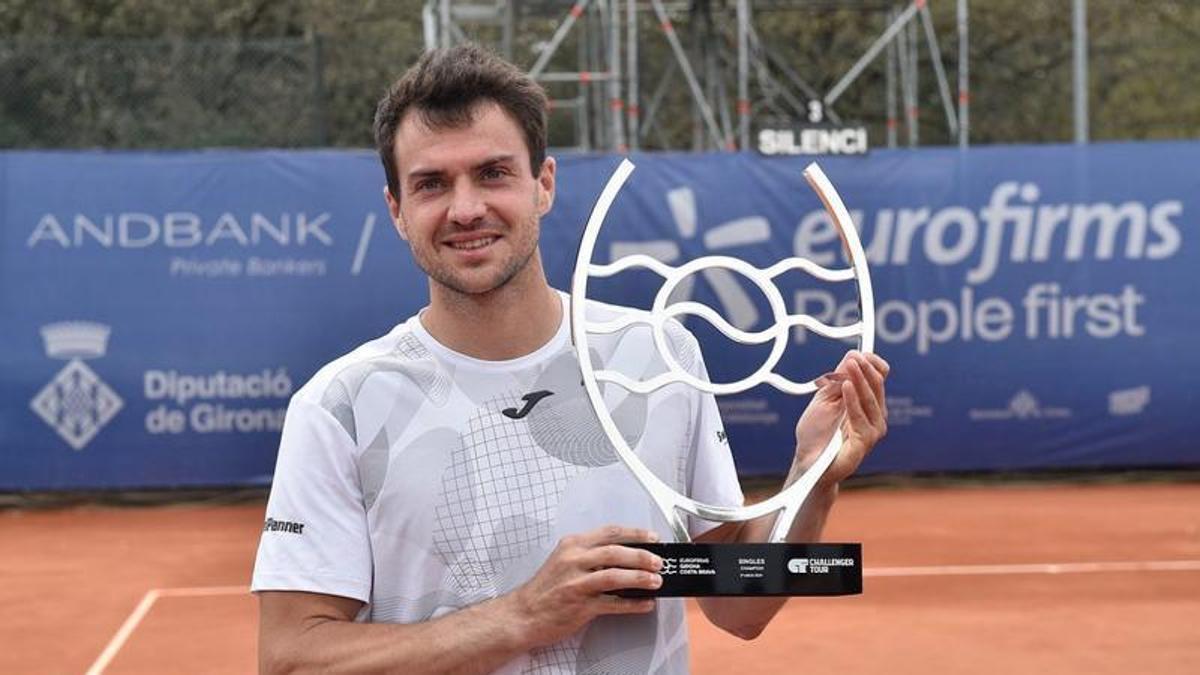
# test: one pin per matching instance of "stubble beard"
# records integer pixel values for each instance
(445, 277)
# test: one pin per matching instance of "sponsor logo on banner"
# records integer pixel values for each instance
(736, 304)
(192, 239)
(1023, 406)
(972, 239)
(207, 403)
(755, 411)
(76, 403)
(1129, 401)
(903, 410)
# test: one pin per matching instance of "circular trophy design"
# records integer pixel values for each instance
(673, 505)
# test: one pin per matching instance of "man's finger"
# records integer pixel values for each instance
(829, 378)
(616, 578)
(846, 359)
(616, 534)
(879, 363)
(875, 379)
(867, 398)
(613, 555)
(856, 414)
(615, 604)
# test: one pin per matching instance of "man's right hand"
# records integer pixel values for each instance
(574, 585)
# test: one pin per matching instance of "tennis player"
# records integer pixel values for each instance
(445, 500)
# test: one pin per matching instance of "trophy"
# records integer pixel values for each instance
(775, 567)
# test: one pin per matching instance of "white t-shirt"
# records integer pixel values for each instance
(421, 481)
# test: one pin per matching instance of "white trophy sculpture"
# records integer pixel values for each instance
(775, 567)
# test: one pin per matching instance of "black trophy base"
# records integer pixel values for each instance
(697, 570)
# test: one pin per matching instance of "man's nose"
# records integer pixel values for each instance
(467, 206)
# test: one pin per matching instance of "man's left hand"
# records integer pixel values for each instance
(855, 388)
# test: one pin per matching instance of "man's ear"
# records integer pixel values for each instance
(546, 186)
(394, 211)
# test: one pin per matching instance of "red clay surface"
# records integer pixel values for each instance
(72, 578)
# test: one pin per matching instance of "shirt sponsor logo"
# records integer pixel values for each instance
(273, 525)
(531, 399)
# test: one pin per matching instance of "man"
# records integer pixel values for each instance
(444, 500)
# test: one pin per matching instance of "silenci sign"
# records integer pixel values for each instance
(813, 141)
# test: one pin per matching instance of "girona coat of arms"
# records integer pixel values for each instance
(76, 403)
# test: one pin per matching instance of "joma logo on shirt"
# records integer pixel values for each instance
(273, 525)
(531, 400)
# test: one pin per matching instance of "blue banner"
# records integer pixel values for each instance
(159, 309)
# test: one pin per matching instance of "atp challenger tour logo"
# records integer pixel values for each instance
(76, 403)
(817, 565)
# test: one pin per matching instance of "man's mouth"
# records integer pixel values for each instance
(472, 244)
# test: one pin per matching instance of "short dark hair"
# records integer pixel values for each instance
(445, 86)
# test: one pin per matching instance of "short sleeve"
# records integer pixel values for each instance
(315, 536)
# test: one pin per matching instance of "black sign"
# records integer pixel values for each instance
(755, 569)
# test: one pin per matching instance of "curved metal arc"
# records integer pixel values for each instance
(732, 332)
(635, 260)
(668, 271)
(659, 491)
(778, 312)
(661, 380)
(727, 329)
(786, 503)
(806, 265)
(858, 256)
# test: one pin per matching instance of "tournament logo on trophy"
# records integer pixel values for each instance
(776, 567)
(76, 403)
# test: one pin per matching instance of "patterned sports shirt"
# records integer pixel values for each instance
(421, 481)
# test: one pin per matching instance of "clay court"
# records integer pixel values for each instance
(1062, 578)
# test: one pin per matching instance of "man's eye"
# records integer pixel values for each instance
(428, 184)
(493, 173)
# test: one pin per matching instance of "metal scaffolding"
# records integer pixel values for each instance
(590, 57)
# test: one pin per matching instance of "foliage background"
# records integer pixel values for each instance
(307, 73)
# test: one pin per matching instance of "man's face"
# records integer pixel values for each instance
(469, 205)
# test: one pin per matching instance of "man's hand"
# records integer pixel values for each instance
(855, 388)
(572, 587)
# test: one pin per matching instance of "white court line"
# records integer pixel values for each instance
(143, 608)
(1035, 568)
(154, 594)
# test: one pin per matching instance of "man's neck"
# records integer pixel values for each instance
(507, 323)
